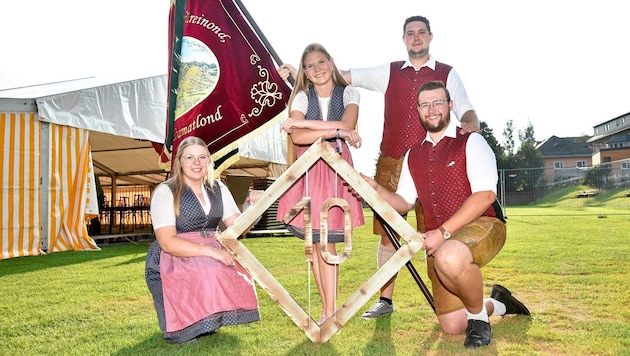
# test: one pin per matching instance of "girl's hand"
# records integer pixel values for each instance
(352, 138)
(289, 124)
(286, 70)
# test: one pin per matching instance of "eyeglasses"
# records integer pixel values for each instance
(436, 104)
(190, 159)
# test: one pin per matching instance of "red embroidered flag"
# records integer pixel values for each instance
(223, 83)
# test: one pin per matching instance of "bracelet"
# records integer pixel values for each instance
(337, 134)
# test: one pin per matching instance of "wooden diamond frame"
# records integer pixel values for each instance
(321, 333)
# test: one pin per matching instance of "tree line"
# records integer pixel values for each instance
(517, 163)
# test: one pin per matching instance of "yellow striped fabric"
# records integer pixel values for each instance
(19, 185)
(69, 165)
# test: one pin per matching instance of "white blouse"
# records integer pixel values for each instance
(163, 213)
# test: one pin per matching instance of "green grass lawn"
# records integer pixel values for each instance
(571, 271)
(564, 202)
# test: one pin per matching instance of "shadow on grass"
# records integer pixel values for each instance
(211, 344)
(308, 347)
(381, 342)
(68, 258)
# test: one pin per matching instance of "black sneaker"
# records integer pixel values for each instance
(512, 305)
(478, 333)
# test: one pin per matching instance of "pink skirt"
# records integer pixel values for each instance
(198, 288)
(321, 182)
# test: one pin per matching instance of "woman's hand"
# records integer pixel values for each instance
(369, 181)
(223, 256)
(254, 196)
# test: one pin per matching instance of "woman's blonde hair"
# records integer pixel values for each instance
(176, 182)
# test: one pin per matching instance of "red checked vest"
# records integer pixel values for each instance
(402, 128)
(439, 174)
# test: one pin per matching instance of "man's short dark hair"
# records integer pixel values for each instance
(417, 18)
(436, 84)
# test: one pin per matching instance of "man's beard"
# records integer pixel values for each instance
(418, 54)
(444, 121)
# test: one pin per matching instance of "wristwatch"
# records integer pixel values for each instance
(445, 233)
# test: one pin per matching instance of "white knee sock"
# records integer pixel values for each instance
(482, 315)
(383, 254)
(499, 308)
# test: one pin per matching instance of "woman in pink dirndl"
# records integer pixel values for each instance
(197, 285)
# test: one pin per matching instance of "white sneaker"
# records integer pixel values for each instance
(379, 308)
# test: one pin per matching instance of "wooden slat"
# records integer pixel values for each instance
(365, 292)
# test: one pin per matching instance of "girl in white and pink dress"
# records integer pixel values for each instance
(322, 105)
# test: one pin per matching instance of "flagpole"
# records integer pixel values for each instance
(262, 37)
(176, 32)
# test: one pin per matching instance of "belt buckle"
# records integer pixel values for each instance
(205, 234)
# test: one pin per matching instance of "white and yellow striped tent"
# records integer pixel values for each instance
(27, 202)
(47, 187)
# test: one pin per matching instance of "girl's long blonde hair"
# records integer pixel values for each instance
(303, 84)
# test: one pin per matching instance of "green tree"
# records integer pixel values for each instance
(531, 163)
(488, 134)
(527, 135)
(524, 168)
(508, 136)
(527, 156)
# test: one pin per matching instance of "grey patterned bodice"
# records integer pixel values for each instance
(191, 214)
(335, 109)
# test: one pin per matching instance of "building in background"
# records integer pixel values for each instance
(565, 158)
(611, 147)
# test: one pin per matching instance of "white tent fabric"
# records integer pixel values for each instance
(43, 210)
(137, 109)
(71, 192)
(134, 109)
(269, 145)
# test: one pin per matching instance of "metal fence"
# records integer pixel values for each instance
(602, 190)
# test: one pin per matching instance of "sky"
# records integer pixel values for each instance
(560, 65)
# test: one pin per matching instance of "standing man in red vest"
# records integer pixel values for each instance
(400, 82)
(454, 176)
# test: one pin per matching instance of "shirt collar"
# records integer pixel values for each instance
(430, 63)
(451, 131)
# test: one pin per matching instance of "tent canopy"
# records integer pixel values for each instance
(125, 118)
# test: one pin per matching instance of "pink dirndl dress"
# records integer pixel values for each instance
(197, 295)
(319, 183)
